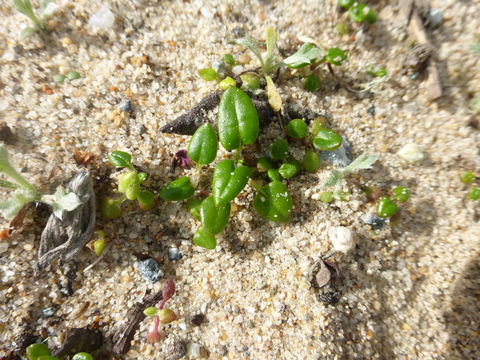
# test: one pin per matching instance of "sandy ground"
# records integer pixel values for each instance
(411, 290)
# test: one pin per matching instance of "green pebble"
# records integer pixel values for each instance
(311, 161)
(73, 75)
(474, 193)
(312, 83)
(401, 193)
(207, 74)
(279, 149)
(326, 196)
(297, 128)
(467, 177)
(59, 78)
(386, 207)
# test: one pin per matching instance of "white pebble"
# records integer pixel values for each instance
(342, 238)
(103, 18)
(237, 70)
(3, 247)
(411, 153)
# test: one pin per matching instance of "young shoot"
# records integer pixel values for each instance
(364, 161)
(47, 8)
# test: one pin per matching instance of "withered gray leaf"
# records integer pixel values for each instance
(63, 239)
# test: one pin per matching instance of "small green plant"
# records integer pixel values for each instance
(39, 21)
(41, 351)
(386, 205)
(376, 72)
(128, 185)
(364, 161)
(468, 177)
(358, 12)
(160, 314)
(26, 193)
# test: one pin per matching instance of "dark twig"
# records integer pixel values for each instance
(124, 335)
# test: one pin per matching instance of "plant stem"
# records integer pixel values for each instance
(198, 173)
(238, 154)
(256, 186)
(8, 185)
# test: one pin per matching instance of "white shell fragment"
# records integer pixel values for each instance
(411, 153)
(342, 238)
(103, 18)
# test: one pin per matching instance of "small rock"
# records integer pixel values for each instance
(47, 312)
(435, 17)
(176, 350)
(196, 351)
(174, 254)
(6, 134)
(375, 221)
(238, 32)
(341, 157)
(372, 110)
(237, 69)
(342, 238)
(219, 67)
(103, 18)
(150, 270)
(411, 153)
(198, 319)
(3, 247)
(125, 105)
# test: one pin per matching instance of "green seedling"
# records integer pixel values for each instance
(274, 175)
(214, 218)
(386, 207)
(238, 122)
(311, 161)
(82, 356)
(273, 202)
(47, 8)
(179, 189)
(203, 145)
(401, 194)
(99, 243)
(229, 59)
(327, 140)
(316, 125)
(193, 206)
(377, 72)
(335, 56)
(312, 83)
(326, 196)
(204, 239)
(364, 161)
(166, 316)
(227, 82)
(250, 82)
(362, 13)
(263, 165)
(346, 3)
(474, 193)
(467, 177)
(307, 54)
(228, 181)
(26, 193)
(279, 150)
(129, 185)
(297, 128)
(42, 352)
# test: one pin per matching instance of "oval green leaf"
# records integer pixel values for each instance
(214, 218)
(178, 189)
(238, 122)
(273, 202)
(203, 145)
(327, 140)
(193, 206)
(120, 158)
(129, 184)
(82, 356)
(228, 181)
(34, 351)
(204, 239)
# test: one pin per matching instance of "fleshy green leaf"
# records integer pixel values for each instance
(203, 145)
(238, 122)
(120, 159)
(304, 56)
(273, 202)
(228, 181)
(214, 218)
(335, 56)
(34, 351)
(327, 140)
(129, 184)
(204, 239)
(178, 189)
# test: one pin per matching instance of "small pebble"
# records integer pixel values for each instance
(435, 17)
(342, 238)
(198, 319)
(237, 69)
(103, 18)
(125, 105)
(238, 32)
(411, 153)
(375, 221)
(150, 270)
(341, 157)
(196, 351)
(176, 350)
(174, 254)
(372, 110)
(3, 247)
(47, 312)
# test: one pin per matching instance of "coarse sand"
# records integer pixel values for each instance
(411, 290)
